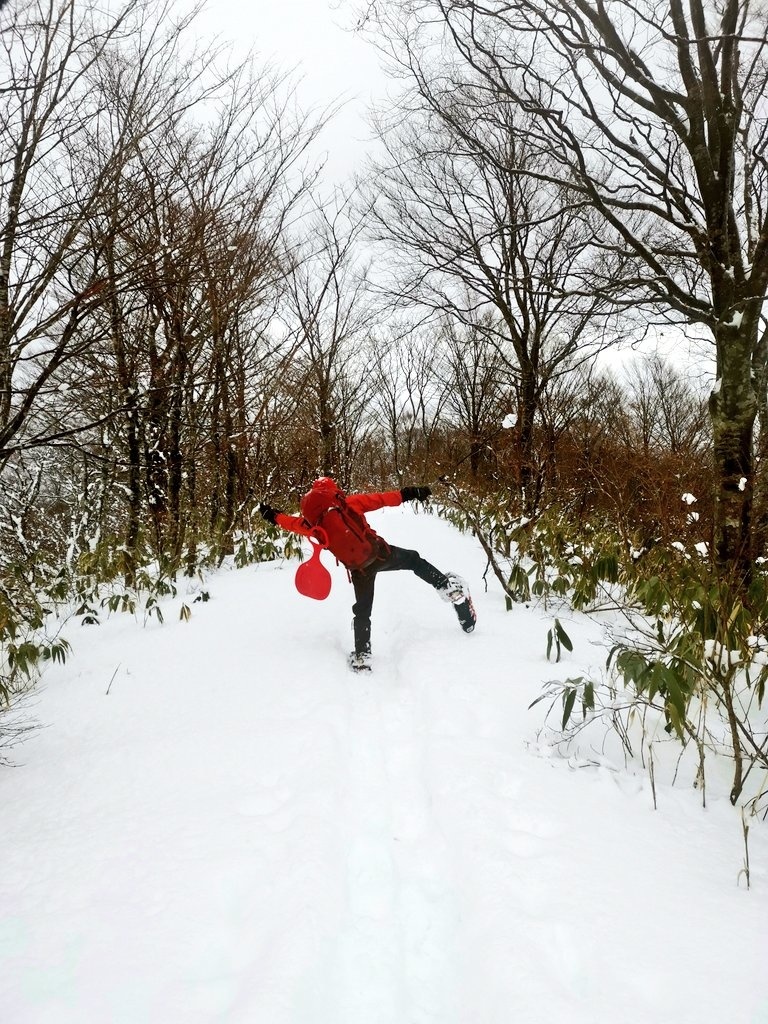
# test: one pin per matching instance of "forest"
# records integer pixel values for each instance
(191, 321)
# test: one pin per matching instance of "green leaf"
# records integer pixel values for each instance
(657, 682)
(675, 695)
(569, 699)
(607, 568)
(675, 720)
(562, 636)
(588, 698)
(632, 666)
(760, 687)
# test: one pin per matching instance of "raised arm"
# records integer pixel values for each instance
(295, 524)
(373, 501)
(382, 499)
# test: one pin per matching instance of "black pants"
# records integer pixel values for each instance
(364, 581)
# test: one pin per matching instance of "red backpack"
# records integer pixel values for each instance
(343, 531)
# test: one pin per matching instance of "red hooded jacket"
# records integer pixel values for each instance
(361, 503)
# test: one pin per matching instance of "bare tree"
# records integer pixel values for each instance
(49, 274)
(666, 412)
(655, 113)
(328, 312)
(409, 395)
(470, 227)
(208, 165)
(477, 388)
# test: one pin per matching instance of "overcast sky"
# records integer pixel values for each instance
(332, 63)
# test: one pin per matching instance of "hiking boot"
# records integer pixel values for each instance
(467, 616)
(360, 662)
(456, 592)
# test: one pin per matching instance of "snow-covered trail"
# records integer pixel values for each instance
(243, 831)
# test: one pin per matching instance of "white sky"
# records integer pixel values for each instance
(332, 63)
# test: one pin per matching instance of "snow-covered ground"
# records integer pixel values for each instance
(242, 831)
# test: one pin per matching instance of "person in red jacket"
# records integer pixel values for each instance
(338, 521)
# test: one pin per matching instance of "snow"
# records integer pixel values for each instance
(509, 421)
(243, 831)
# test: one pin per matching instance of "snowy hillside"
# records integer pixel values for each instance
(242, 831)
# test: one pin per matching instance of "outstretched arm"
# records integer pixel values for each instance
(295, 524)
(374, 501)
(380, 499)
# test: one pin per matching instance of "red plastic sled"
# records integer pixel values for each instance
(312, 578)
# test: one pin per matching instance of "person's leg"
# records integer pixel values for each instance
(449, 586)
(363, 582)
(402, 558)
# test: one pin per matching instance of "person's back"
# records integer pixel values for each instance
(340, 527)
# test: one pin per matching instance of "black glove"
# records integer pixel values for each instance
(415, 493)
(268, 513)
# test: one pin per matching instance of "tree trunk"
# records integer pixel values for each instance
(6, 368)
(191, 534)
(327, 419)
(733, 409)
(525, 420)
(475, 453)
(133, 523)
(174, 452)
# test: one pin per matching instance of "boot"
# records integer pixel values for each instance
(360, 661)
(456, 592)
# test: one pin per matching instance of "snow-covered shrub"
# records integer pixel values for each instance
(31, 580)
(265, 545)
(688, 643)
(549, 557)
(62, 555)
(691, 646)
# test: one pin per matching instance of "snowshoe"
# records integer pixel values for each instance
(456, 592)
(360, 662)
(465, 611)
